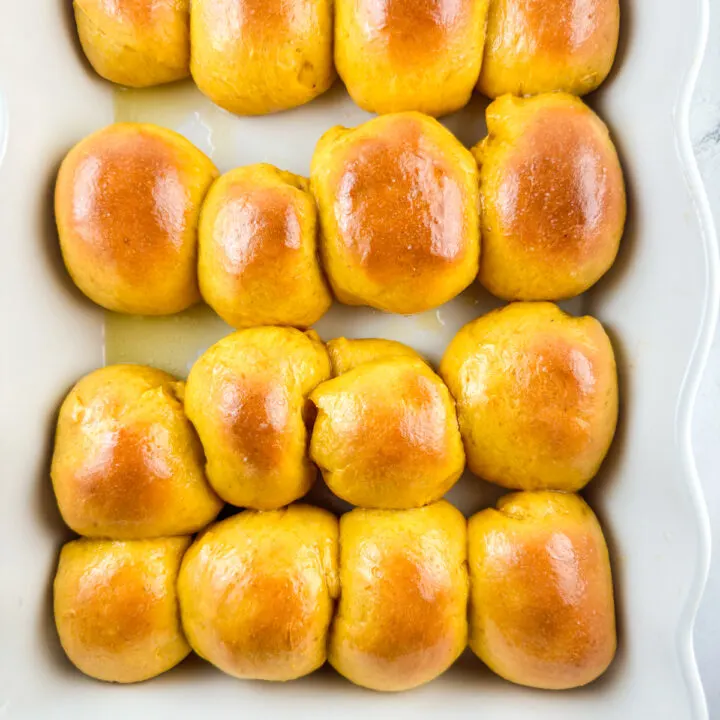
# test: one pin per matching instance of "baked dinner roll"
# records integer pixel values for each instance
(127, 203)
(257, 592)
(538, 46)
(127, 463)
(396, 55)
(402, 616)
(254, 57)
(537, 396)
(116, 607)
(258, 256)
(346, 355)
(137, 43)
(541, 594)
(247, 397)
(553, 198)
(386, 434)
(399, 209)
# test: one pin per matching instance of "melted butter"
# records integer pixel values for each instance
(171, 343)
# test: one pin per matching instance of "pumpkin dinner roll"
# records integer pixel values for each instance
(247, 397)
(253, 57)
(399, 210)
(537, 396)
(137, 43)
(258, 262)
(127, 463)
(116, 607)
(386, 434)
(257, 592)
(553, 198)
(402, 616)
(396, 55)
(539, 46)
(127, 203)
(541, 593)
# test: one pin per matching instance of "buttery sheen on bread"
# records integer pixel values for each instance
(386, 434)
(116, 607)
(258, 261)
(253, 57)
(257, 592)
(553, 198)
(537, 396)
(399, 211)
(541, 593)
(538, 46)
(137, 43)
(127, 203)
(397, 55)
(247, 398)
(127, 463)
(402, 616)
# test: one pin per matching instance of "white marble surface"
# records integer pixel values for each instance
(705, 128)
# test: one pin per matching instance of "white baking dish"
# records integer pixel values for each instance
(659, 304)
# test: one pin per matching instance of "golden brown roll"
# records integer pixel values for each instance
(553, 198)
(257, 592)
(127, 463)
(399, 210)
(537, 396)
(258, 261)
(541, 594)
(346, 355)
(401, 620)
(137, 43)
(254, 57)
(116, 607)
(538, 46)
(247, 397)
(396, 55)
(386, 434)
(127, 203)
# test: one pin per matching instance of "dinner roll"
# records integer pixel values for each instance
(127, 203)
(116, 607)
(401, 620)
(538, 46)
(247, 397)
(257, 590)
(386, 434)
(553, 198)
(137, 43)
(346, 355)
(399, 210)
(258, 257)
(541, 594)
(537, 396)
(127, 463)
(254, 57)
(396, 55)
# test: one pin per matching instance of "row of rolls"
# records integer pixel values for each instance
(526, 395)
(390, 597)
(397, 215)
(253, 57)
